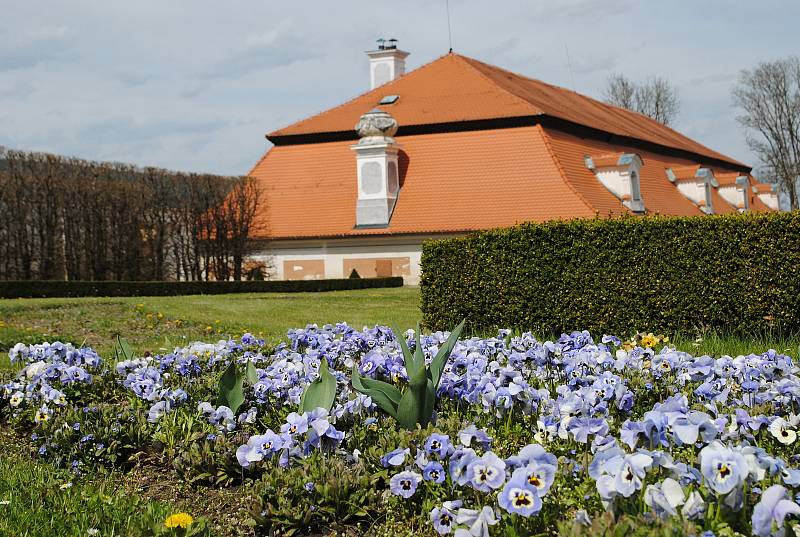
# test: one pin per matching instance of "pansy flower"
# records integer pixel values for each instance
(519, 497)
(723, 468)
(771, 511)
(487, 472)
(396, 457)
(783, 431)
(434, 471)
(444, 518)
(405, 483)
(438, 444)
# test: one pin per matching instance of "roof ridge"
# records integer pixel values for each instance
(581, 95)
(360, 95)
(624, 111)
(546, 139)
(468, 61)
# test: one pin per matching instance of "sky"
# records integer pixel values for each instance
(195, 85)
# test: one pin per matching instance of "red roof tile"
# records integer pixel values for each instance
(455, 88)
(450, 182)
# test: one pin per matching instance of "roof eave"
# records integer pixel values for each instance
(546, 121)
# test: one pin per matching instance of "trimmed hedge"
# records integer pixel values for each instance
(39, 289)
(738, 273)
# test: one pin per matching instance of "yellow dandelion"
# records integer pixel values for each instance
(178, 520)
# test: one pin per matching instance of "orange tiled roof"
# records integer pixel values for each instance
(659, 194)
(607, 160)
(455, 88)
(685, 173)
(762, 187)
(727, 179)
(450, 182)
(461, 181)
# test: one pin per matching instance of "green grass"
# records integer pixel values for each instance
(717, 344)
(155, 323)
(160, 323)
(38, 500)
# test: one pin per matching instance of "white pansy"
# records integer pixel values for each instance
(783, 431)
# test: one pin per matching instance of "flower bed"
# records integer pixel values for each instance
(529, 437)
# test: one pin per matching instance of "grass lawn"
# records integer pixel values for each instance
(155, 323)
(161, 323)
(37, 500)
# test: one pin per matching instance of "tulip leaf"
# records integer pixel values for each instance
(438, 363)
(407, 410)
(382, 393)
(430, 401)
(321, 393)
(419, 355)
(231, 393)
(250, 372)
(125, 348)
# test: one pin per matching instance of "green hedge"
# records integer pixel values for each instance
(38, 289)
(737, 273)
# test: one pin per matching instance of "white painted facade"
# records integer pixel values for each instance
(336, 253)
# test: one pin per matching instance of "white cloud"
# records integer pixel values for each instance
(195, 84)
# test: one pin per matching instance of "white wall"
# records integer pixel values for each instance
(334, 252)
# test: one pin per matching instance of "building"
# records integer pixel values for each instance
(458, 145)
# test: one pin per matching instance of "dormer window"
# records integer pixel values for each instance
(695, 183)
(735, 189)
(768, 194)
(619, 173)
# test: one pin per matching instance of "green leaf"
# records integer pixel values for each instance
(419, 356)
(428, 405)
(391, 391)
(250, 372)
(125, 348)
(231, 393)
(408, 357)
(438, 363)
(322, 392)
(383, 394)
(407, 411)
(418, 378)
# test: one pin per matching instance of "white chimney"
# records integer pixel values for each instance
(377, 169)
(386, 63)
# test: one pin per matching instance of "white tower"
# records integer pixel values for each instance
(386, 63)
(377, 169)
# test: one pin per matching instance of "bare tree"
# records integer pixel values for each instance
(68, 218)
(769, 96)
(655, 97)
